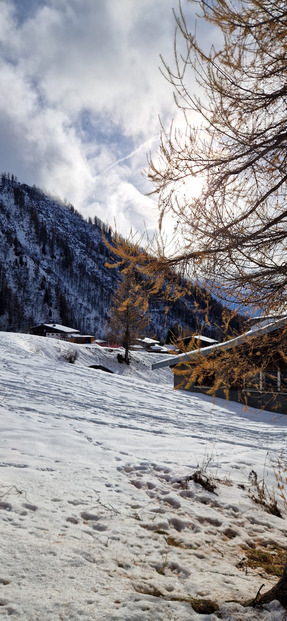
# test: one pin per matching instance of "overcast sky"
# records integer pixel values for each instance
(80, 97)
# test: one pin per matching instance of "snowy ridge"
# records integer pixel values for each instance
(99, 516)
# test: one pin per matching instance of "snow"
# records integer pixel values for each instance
(99, 517)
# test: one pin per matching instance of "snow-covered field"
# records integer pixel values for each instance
(99, 517)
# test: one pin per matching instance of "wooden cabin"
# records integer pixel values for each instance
(251, 368)
(81, 339)
(53, 330)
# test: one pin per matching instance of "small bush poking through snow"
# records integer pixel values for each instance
(262, 496)
(71, 355)
(281, 478)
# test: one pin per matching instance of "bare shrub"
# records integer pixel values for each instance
(71, 355)
(281, 478)
(203, 479)
(261, 495)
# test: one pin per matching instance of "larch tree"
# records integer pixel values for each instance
(233, 139)
(234, 233)
(129, 312)
(231, 238)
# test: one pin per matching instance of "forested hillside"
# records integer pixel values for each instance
(52, 268)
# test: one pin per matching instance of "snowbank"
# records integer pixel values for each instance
(99, 515)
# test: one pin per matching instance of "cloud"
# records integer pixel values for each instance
(80, 97)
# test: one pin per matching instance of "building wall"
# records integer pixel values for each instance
(81, 339)
(51, 333)
(272, 401)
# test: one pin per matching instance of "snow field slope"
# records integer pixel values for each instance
(99, 517)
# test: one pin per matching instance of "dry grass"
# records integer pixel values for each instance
(201, 606)
(271, 559)
(281, 478)
(176, 543)
(261, 495)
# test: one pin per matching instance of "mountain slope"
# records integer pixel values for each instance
(52, 268)
(52, 263)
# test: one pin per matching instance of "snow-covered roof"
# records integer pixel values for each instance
(205, 339)
(172, 347)
(148, 341)
(238, 340)
(158, 348)
(60, 328)
(264, 320)
(269, 318)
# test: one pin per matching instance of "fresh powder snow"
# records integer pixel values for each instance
(100, 517)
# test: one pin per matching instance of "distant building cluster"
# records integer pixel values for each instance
(57, 331)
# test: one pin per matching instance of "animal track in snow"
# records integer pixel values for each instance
(29, 506)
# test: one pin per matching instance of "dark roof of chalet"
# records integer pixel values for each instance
(256, 331)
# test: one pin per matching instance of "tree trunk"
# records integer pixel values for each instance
(279, 592)
(127, 358)
(127, 341)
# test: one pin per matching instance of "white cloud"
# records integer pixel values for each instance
(80, 93)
